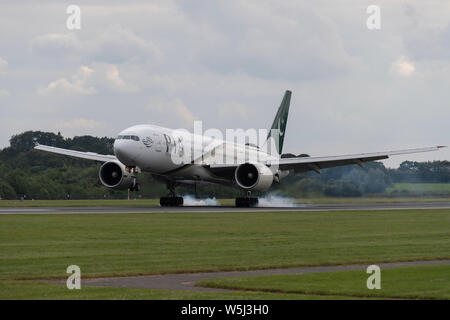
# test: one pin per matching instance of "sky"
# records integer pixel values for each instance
(228, 64)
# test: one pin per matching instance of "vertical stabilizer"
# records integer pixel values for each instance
(279, 123)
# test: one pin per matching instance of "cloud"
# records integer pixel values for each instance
(115, 82)
(88, 80)
(117, 44)
(114, 44)
(171, 111)
(54, 45)
(76, 85)
(233, 109)
(402, 67)
(427, 36)
(80, 124)
(286, 40)
(3, 65)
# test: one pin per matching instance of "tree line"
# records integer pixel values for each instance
(33, 174)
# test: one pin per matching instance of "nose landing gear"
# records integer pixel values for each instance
(135, 186)
(172, 200)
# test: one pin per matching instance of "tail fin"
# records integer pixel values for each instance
(279, 123)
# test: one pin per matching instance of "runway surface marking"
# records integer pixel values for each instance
(301, 207)
(187, 281)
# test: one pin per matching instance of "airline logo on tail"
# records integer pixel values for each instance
(280, 123)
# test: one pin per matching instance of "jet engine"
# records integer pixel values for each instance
(253, 176)
(114, 175)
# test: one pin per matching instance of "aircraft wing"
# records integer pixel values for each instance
(316, 163)
(302, 164)
(76, 154)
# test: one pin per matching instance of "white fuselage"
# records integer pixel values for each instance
(180, 155)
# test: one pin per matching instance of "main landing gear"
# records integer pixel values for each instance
(171, 200)
(246, 202)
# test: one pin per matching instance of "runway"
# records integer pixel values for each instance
(187, 281)
(157, 209)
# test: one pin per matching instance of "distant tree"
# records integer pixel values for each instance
(349, 189)
(6, 190)
(27, 140)
(310, 186)
(417, 172)
(374, 182)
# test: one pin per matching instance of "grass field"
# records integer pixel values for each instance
(42, 246)
(44, 290)
(424, 282)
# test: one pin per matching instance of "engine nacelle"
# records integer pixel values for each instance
(113, 175)
(253, 176)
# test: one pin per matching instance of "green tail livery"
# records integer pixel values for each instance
(279, 123)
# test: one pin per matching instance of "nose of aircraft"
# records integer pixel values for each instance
(123, 150)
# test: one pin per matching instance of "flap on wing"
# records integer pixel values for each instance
(317, 163)
(76, 154)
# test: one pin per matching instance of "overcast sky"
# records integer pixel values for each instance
(228, 63)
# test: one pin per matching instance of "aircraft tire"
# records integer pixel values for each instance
(246, 202)
(171, 201)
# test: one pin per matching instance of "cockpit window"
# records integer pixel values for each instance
(135, 138)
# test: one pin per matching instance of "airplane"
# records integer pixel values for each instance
(162, 152)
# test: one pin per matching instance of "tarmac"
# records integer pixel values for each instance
(157, 209)
(187, 281)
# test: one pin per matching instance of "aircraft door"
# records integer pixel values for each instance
(158, 142)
